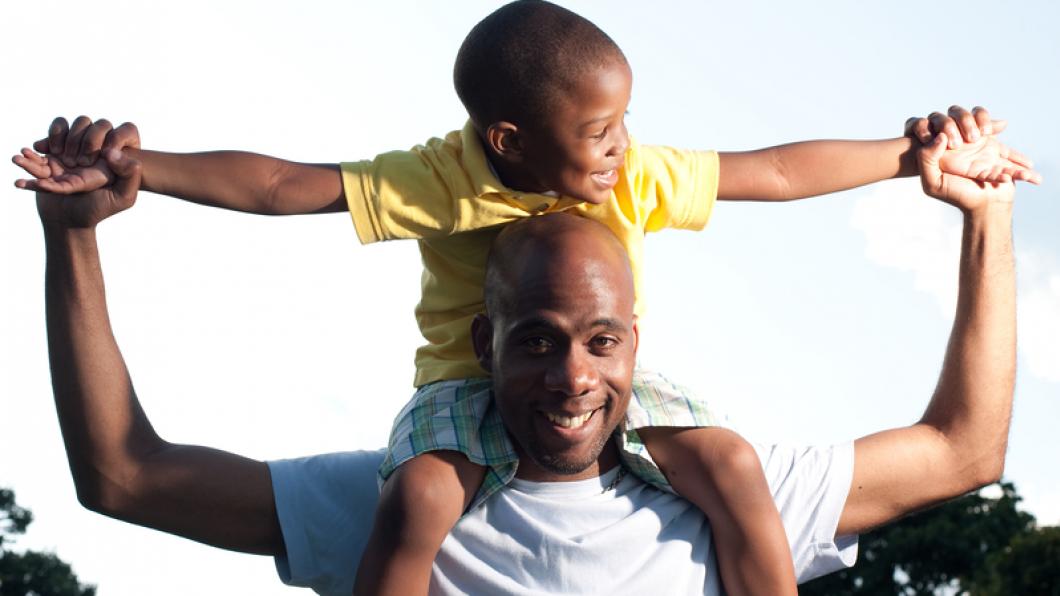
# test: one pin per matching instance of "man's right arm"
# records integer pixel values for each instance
(120, 466)
(234, 180)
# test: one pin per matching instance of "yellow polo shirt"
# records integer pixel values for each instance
(445, 195)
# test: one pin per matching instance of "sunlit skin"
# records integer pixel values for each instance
(562, 349)
(578, 147)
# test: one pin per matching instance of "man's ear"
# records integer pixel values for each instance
(503, 138)
(636, 335)
(482, 340)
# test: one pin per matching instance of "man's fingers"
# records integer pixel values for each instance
(41, 146)
(928, 156)
(57, 136)
(92, 142)
(125, 136)
(943, 124)
(966, 123)
(73, 140)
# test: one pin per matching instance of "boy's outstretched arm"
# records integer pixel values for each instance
(806, 169)
(233, 180)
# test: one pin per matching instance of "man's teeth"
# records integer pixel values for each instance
(569, 421)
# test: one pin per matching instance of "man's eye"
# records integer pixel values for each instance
(537, 345)
(604, 343)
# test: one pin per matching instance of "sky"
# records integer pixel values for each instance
(812, 322)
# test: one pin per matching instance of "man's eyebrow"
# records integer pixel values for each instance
(530, 324)
(611, 325)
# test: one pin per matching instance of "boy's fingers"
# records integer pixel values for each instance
(41, 146)
(969, 128)
(92, 142)
(57, 136)
(998, 125)
(1015, 156)
(919, 129)
(33, 167)
(73, 140)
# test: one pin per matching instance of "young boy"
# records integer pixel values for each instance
(547, 92)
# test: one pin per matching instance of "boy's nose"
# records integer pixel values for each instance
(621, 143)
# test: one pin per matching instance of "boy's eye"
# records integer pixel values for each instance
(600, 135)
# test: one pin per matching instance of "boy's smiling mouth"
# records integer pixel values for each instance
(606, 178)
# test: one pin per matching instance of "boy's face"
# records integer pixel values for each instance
(579, 148)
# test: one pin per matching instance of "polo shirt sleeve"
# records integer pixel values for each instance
(810, 486)
(326, 506)
(677, 187)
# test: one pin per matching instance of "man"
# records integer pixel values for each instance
(560, 341)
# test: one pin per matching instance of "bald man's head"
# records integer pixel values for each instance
(558, 247)
(560, 339)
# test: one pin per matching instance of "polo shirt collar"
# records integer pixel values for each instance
(486, 182)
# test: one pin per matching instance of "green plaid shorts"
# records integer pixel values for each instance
(460, 416)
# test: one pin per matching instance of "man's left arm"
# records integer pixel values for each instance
(959, 444)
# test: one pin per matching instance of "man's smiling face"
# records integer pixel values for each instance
(561, 343)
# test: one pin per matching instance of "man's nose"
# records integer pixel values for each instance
(572, 374)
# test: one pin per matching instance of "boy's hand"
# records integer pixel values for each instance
(85, 210)
(959, 124)
(988, 160)
(71, 163)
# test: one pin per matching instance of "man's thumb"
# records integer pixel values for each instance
(127, 171)
(929, 156)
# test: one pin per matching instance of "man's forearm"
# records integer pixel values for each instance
(93, 394)
(243, 181)
(811, 168)
(121, 467)
(972, 403)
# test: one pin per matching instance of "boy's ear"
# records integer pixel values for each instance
(503, 138)
(482, 340)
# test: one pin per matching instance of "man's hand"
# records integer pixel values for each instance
(964, 193)
(71, 162)
(988, 160)
(121, 181)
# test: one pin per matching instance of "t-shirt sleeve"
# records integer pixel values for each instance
(326, 506)
(810, 486)
(679, 186)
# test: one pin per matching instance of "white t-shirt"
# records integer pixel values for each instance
(560, 537)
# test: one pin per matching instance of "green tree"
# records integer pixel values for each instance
(944, 547)
(31, 573)
(1029, 565)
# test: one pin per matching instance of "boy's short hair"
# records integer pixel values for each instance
(515, 62)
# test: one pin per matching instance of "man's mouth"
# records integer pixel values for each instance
(570, 422)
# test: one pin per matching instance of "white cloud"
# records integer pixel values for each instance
(907, 231)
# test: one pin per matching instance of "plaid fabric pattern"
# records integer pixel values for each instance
(460, 416)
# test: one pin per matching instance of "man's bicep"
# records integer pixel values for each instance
(897, 472)
(207, 495)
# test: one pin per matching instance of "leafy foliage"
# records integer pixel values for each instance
(969, 543)
(972, 543)
(31, 573)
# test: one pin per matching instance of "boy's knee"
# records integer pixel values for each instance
(430, 490)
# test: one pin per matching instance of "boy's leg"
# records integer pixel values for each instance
(720, 473)
(420, 502)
